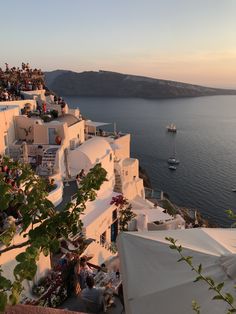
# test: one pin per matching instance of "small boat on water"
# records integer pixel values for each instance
(173, 161)
(171, 128)
(172, 167)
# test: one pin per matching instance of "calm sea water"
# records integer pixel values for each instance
(205, 145)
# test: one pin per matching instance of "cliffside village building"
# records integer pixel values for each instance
(60, 148)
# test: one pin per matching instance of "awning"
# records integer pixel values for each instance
(95, 124)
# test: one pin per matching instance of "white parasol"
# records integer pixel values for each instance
(153, 280)
(25, 152)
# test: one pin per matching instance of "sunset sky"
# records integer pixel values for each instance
(184, 40)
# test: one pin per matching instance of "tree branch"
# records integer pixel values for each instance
(227, 297)
(13, 247)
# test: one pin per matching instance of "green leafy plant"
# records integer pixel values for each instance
(125, 211)
(54, 113)
(232, 216)
(41, 225)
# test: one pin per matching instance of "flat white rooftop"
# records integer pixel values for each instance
(99, 206)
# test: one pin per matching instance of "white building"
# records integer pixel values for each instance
(68, 144)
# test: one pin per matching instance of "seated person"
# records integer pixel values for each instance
(52, 183)
(92, 296)
(103, 268)
(82, 174)
(80, 177)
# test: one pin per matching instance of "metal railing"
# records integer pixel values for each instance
(110, 246)
(151, 193)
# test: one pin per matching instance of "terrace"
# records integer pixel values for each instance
(93, 128)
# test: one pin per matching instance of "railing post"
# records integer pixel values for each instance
(162, 196)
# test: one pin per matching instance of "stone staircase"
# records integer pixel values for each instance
(48, 159)
(48, 162)
(118, 183)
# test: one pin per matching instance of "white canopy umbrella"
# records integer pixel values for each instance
(153, 280)
(25, 152)
(95, 124)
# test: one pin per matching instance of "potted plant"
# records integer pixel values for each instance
(58, 139)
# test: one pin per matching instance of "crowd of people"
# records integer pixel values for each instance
(59, 101)
(14, 80)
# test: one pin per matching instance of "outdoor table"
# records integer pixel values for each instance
(102, 279)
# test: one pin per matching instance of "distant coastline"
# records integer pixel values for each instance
(112, 84)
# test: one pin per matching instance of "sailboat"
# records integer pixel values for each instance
(171, 128)
(173, 160)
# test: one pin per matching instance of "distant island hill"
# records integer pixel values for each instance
(112, 84)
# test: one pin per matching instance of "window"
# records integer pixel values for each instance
(114, 215)
(103, 238)
(5, 140)
(114, 231)
(126, 173)
(51, 136)
(110, 156)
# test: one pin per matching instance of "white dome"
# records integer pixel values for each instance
(95, 149)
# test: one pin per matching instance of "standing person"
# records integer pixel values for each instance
(77, 281)
(39, 155)
(84, 272)
(69, 272)
(44, 107)
(63, 108)
(93, 297)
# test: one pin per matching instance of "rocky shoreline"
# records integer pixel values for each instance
(193, 217)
